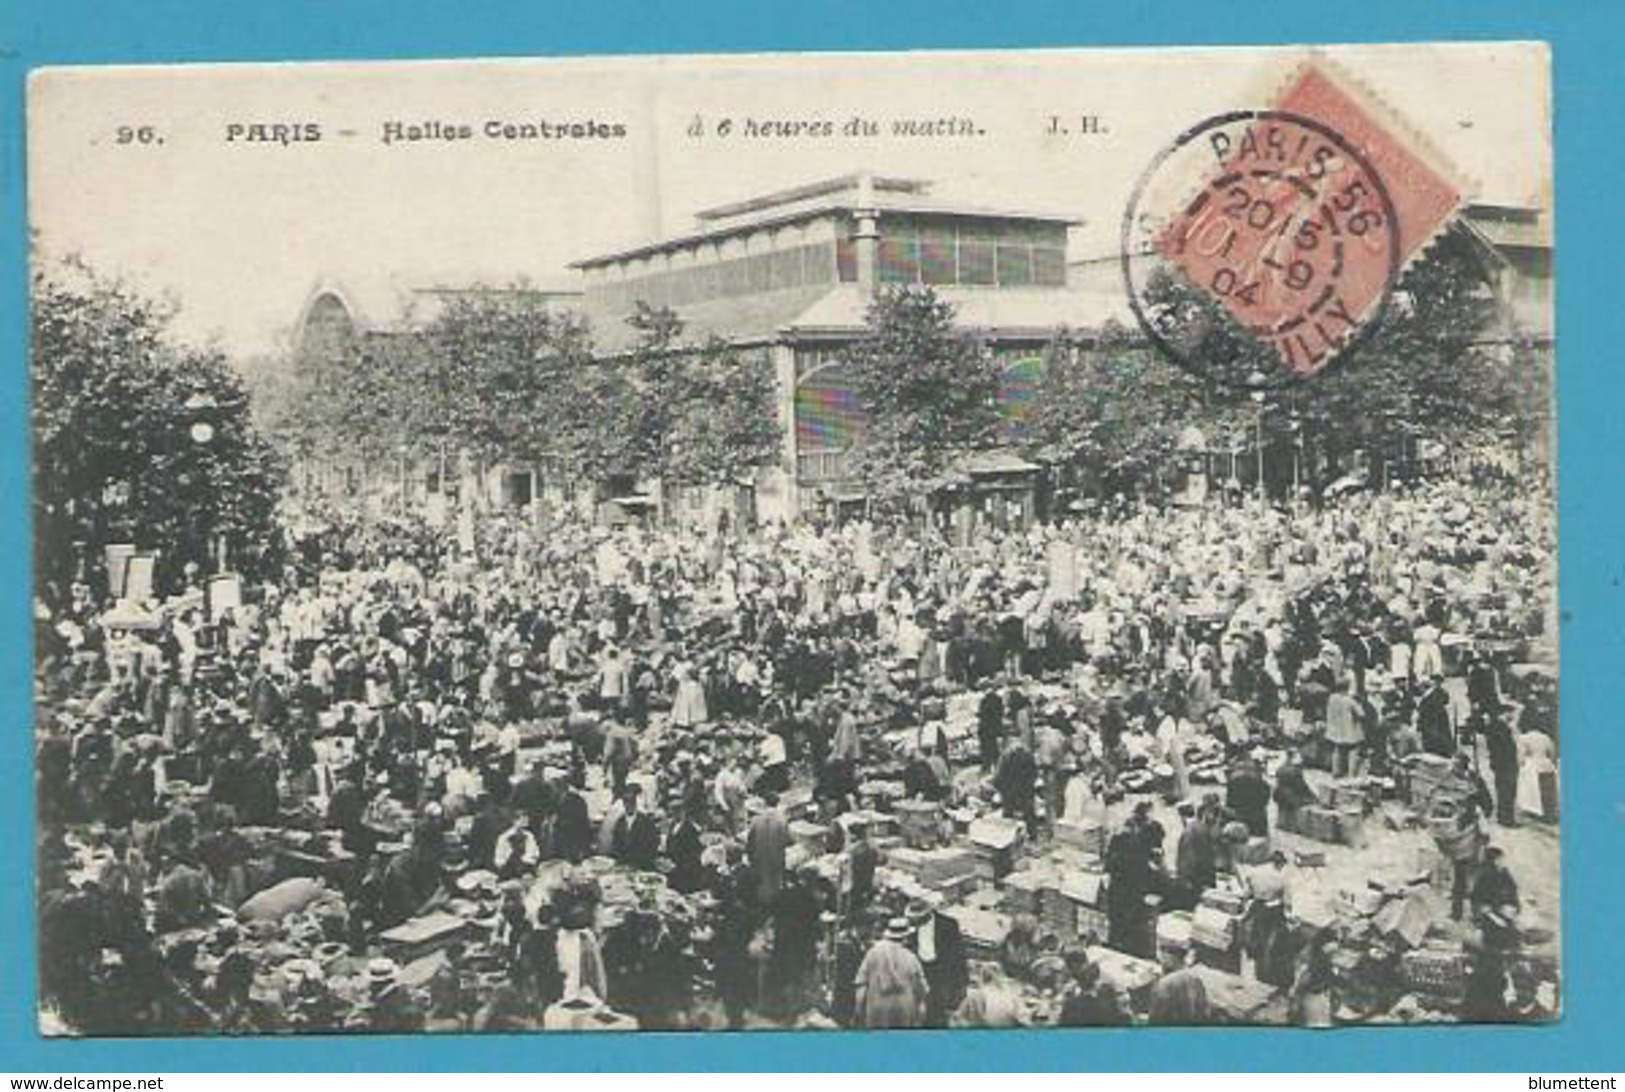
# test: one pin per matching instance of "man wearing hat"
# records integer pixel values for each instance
(1433, 719)
(1502, 745)
(390, 1006)
(686, 850)
(990, 728)
(1495, 899)
(766, 844)
(572, 825)
(892, 990)
(1196, 860)
(635, 841)
(1247, 796)
(940, 946)
(1292, 791)
(1268, 939)
(514, 852)
(1129, 867)
(620, 753)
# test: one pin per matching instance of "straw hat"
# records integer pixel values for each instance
(898, 929)
(381, 973)
(920, 912)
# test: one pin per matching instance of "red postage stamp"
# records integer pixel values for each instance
(1303, 225)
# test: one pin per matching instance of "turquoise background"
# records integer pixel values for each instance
(1590, 151)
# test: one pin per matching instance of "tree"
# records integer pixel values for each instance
(115, 458)
(691, 413)
(1110, 408)
(499, 371)
(929, 393)
(652, 401)
(730, 426)
(1429, 368)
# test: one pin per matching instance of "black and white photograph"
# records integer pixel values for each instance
(1034, 538)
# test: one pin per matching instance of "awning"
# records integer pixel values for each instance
(983, 464)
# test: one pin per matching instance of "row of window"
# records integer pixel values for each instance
(951, 258)
(792, 267)
(986, 254)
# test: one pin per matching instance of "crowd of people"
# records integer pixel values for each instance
(394, 730)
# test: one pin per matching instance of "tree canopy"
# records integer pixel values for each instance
(505, 375)
(929, 392)
(115, 458)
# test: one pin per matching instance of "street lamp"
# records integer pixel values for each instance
(1296, 426)
(1256, 382)
(198, 409)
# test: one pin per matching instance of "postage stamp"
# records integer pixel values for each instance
(1305, 218)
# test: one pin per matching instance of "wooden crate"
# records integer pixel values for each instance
(1091, 924)
(423, 935)
(1085, 835)
(919, 822)
(1319, 824)
(1023, 891)
(1437, 973)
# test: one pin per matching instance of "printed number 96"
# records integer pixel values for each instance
(132, 134)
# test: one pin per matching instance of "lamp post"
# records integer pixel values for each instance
(1297, 461)
(198, 410)
(1256, 382)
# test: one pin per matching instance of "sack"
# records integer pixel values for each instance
(280, 900)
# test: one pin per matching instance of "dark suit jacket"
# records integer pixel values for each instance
(949, 973)
(572, 828)
(637, 841)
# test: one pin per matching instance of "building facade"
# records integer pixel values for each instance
(788, 277)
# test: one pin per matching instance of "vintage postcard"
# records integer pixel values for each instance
(1053, 538)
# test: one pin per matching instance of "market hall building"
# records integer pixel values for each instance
(788, 276)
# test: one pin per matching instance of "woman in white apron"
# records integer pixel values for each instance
(688, 708)
(1537, 761)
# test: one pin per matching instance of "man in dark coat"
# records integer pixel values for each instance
(940, 947)
(1433, 720)
(796, 935)
(1129, 868)
(572, 827)
(1017, 782)
(1495, 900)
(1484, 999)
(1292, 793)
(1503, 749)
(1247, 795)
(635, 841)
(685, 849)
(1196, 862)
(990, 728)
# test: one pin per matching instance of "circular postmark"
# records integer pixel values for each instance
(1260, 247)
